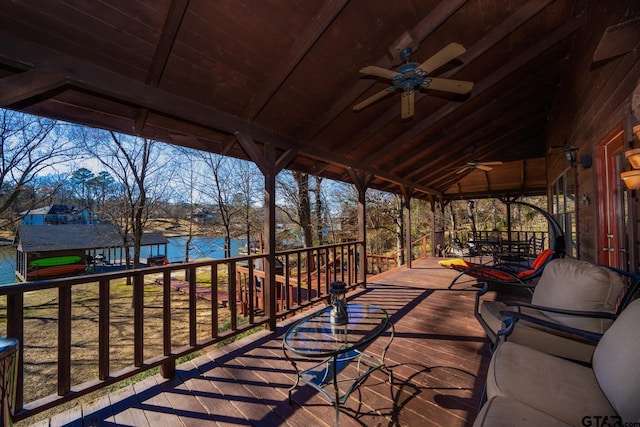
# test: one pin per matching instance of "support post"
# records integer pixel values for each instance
(269, 164)
(270, 236)
(407, 193)
(361, 181)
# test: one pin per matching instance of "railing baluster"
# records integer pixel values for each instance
(64, 340)
(327, 275)
(333, 264)
(193, 300)
(299, 277)
(167, 369)
(233, 306)
(251, 291)
(309, 266)
(138, 319)
(103, 329)
(287, 283)
(214, 300)
(15, 329)
(316, 256)
(166, 312)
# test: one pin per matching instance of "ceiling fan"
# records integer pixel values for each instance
(412, 76)
(477, 164)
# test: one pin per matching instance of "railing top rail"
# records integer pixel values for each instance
(334, 245)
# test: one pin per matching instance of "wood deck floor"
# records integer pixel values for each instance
(439, 359)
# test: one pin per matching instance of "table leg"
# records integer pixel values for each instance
(295, 367)
(337, 391)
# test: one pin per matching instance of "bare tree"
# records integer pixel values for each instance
(248, 178)
(222, 193)
(135, 163)
(29, 146)
(189, 191)
(294, 188)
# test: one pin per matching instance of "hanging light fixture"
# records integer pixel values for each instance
(631, 178)
(633, 156)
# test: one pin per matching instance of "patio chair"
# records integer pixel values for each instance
(570, 295)
(528, 387)
(501, 274)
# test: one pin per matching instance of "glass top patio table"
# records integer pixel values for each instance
(334, 348)
(317, 337)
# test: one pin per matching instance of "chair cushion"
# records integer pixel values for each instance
(542, 258)
(504, 412)
(555, 386)
(616, 366)
(535, 336)
(456, 263)
(578, 285)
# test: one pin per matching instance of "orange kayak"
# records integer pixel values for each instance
(58, 270)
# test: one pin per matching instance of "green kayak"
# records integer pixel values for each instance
(55, 260)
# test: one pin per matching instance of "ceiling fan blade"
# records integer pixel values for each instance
(407, 105)
(490, 163)
(373, 98)
(484, 168)
(447, 85)
(446, 54)
(379, 72)
(462, 169)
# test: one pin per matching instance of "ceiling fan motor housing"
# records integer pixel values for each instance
(410, 75)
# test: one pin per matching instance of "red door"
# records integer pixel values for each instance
(611, 236)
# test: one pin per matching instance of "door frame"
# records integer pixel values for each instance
(611, 237)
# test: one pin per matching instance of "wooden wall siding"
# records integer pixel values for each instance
(591, 104)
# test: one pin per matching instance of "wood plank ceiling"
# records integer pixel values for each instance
(195, 72)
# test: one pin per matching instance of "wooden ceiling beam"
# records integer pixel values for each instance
(23, 86)
(304, 42)
(498, 33)
(486, 84)
(161, 55)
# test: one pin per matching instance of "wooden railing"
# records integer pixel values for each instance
(377, 264)
(151, 329)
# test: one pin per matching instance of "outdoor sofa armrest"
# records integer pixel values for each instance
(512, 317)
(581, 313)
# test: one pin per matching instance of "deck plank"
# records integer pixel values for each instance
(439, 358)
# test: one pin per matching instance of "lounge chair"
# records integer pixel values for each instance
(570, 295)
(501, 274)
(528, 387)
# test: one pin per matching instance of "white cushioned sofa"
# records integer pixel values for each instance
(571, 294)
(529, 387)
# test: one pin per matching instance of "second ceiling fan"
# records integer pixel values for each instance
(412, 76)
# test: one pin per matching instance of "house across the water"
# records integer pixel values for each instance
(44, 251)
(58, 214)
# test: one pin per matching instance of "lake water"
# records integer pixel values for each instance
(201, 247)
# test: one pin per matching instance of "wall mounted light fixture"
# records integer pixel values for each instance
(570, 154)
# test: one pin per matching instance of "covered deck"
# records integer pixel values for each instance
(439, 358)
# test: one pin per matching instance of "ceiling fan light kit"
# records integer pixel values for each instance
(412, 76)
